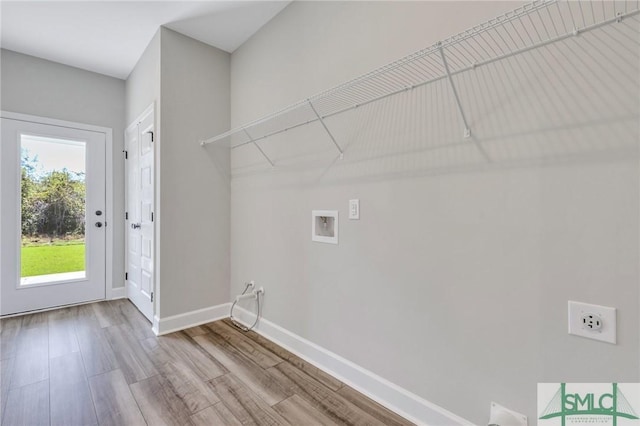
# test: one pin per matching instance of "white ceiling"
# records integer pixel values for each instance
(109, 37)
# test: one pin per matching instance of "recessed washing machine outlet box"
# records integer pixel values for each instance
(324, 226)
(592, 321)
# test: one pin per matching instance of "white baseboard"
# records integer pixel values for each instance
(399, 400)
(190, 319)
(117, 293)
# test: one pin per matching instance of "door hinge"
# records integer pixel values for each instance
(126, 154)
(151, 133)
(126, 215)
(126, 276)
(151, 216)
(152, 296)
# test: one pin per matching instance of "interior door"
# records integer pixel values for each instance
(139, 140)
(53, 218)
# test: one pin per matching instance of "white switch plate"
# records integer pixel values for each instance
(354, 209)
(578, 326)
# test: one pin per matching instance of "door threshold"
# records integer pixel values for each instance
(52, 308)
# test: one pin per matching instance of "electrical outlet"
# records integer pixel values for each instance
(592, 321)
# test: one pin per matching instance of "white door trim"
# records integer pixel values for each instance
(108, 134)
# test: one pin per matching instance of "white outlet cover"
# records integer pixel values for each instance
(607, 332)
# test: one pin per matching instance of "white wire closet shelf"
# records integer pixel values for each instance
(529, 27)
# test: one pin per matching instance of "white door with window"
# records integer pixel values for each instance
(53, 215)
(139, 154)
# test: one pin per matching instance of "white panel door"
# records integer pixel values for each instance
(140, 213)
(53, 217)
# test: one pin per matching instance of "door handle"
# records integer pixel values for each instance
(135, 226)
(98, 224)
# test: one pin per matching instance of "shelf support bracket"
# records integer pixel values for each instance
(326, 128)
(257, 146)
(467, 130)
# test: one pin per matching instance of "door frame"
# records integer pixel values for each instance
(109, 229)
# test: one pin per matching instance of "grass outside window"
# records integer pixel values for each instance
(52, 258)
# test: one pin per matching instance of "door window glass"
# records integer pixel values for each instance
(52, 195)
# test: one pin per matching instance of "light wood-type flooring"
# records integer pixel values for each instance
(100, 364)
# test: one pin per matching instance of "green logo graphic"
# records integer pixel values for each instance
(612, 404)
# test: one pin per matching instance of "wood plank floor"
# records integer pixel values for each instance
(99, 364)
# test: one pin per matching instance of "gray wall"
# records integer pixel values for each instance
(454, 284)
(195, 192)
(39, 87)
(143, 83)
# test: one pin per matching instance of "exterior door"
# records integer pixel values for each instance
(53, 217)
(139, 142)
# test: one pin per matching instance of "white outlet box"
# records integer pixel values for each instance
(324, 226)
(592, 321)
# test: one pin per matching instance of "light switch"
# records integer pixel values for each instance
(354, 209)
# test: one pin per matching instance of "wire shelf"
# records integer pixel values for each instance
(529, 27)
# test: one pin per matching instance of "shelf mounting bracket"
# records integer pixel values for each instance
(257, 146)
(326, 128)
(467, 130)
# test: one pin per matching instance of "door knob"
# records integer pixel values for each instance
(98, 224)
(135, 226)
